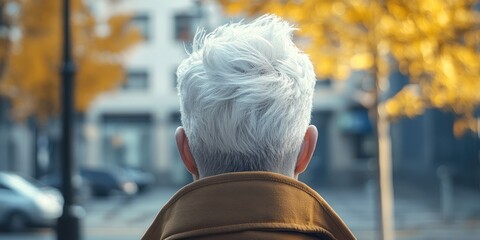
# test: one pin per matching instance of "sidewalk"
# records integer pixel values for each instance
(121, 218)
(417, 213)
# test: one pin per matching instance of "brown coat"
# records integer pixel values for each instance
(247, 205)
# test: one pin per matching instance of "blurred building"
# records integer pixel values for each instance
(16, 144)
(424, 144)
(134, 126)
(346, 144)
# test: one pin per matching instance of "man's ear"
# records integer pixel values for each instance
(185, 154)
(306, 151)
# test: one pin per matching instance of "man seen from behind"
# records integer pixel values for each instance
(246, 100)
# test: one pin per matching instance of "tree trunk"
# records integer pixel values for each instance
(385, 176)
(384, 161)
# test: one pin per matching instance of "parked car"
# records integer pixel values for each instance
(25, 202)
(143, 179)
(81, 185)
(107, 181)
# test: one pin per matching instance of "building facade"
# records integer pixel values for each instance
(134, 125)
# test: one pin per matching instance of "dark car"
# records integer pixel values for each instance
(82, 187)
(106, 181)
(143, 179)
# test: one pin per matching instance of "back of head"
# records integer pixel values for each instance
(246, 97)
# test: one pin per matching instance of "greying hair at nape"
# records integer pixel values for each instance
(246, 97)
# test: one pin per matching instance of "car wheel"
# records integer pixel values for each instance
(17, 222)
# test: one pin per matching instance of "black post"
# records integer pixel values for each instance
(68, 225)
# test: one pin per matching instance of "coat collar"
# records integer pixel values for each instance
(246, 201)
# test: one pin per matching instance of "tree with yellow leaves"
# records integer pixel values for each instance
(31, 78)
(434, 42)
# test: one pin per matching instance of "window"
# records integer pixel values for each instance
(127, 139)
(142, 21)
(184, 30)
(136, 80)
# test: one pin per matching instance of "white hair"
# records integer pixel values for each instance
(246, 97)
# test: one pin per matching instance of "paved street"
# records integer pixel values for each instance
(417, 215)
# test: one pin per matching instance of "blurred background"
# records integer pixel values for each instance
(395, 77)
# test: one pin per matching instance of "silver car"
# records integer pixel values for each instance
(25, 203)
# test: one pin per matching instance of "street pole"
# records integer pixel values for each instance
(68, 225)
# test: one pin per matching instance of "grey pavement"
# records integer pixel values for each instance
(418, 215)
(120, 218)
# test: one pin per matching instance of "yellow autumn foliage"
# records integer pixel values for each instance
(435, 42)
(31, 78)
(408, 102)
